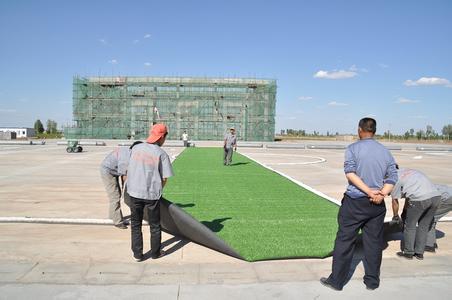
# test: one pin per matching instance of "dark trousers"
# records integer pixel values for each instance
(137, 208)
(356, 214)
(420, 213)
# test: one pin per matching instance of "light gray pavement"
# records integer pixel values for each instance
(51, 261)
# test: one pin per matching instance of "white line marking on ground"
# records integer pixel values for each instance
(335, 201)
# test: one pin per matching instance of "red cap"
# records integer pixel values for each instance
(156, 132)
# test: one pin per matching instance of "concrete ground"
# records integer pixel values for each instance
(54, 261)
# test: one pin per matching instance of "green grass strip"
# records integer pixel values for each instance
(259, 213)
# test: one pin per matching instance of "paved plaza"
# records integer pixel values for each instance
(87, 261)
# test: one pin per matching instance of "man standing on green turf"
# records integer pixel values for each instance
(230, 145)
(371, 173)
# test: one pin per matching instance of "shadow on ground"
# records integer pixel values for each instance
(215, 225)
(392, 232)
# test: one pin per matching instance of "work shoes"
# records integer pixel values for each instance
(121, 226)
(326, 283)
(405, 255)
(429, 249)
(419, 256)
(138, 258)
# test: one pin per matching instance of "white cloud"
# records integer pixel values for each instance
(136, 41)
(341, 74)
(335, 103)
(113, 62)
(147, 64)
(383, 66)
(103, 41)
(406, 101)
(305, 98)
(147, 36)
(427, 81)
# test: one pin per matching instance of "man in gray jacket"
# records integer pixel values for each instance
(423, 199)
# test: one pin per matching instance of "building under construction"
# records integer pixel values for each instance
(126, 107)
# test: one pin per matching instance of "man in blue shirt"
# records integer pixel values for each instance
(371, 173)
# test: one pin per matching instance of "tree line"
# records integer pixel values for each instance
(422, 134)
(51, 129)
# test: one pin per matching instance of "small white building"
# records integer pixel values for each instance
(21, 132)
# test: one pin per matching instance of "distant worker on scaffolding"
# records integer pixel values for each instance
(185, 138)
(230, 145)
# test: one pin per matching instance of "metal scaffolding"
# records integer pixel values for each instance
(126, 107)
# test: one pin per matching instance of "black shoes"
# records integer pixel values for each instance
(405, 255)
(419, 256)
(410, 256)
(138, 258)
(430, 249)
(121, 226)
(326, 283)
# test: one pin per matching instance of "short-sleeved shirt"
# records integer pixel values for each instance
(184, 137)
(414, 185)
(372, 162)
(231, 140)
(148, 165)
(116, 162)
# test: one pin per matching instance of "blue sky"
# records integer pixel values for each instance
(334, 61)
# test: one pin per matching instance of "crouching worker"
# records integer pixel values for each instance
(113, 171)
(148, 170)
(444, 207)
(421, 201)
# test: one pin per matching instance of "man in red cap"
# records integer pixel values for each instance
(148, 170)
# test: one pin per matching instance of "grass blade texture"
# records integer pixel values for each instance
(259, 213)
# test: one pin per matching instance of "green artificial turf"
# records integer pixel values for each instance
(259, 213)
